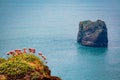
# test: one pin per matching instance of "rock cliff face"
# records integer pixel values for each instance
(93, 34)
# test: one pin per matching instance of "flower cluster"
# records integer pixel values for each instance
(18, 51)
(25, 51)
(31, 50)
(42, 56)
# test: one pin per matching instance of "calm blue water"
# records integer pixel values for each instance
(51, 27)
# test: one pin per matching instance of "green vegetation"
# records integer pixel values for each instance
(24, 66)
(27, 57)
(2, 60)
(15, 68)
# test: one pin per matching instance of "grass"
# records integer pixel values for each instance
(2, 60)
(15, 68)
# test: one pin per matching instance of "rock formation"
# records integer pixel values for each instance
(93, 34)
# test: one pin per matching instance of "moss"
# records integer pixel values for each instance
(14, 68)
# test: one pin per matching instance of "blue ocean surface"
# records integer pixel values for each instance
(51, 27)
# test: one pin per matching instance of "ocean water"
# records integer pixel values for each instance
(51, 27)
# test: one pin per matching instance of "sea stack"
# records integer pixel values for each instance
(93, 34)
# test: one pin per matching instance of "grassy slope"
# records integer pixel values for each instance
(24, 67)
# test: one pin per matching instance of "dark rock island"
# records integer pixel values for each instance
(93, 34)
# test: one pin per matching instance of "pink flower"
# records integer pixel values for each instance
(18, 51)
(44, 57)
(32, 50)
(24, 50)
(40, 53)
(11, 53)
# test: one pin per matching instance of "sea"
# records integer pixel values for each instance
(51, 27)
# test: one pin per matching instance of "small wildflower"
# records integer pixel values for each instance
(31, 50)
(18, 51)
(11, 53)
(40, 53)
(24, 50)
(44, 57)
